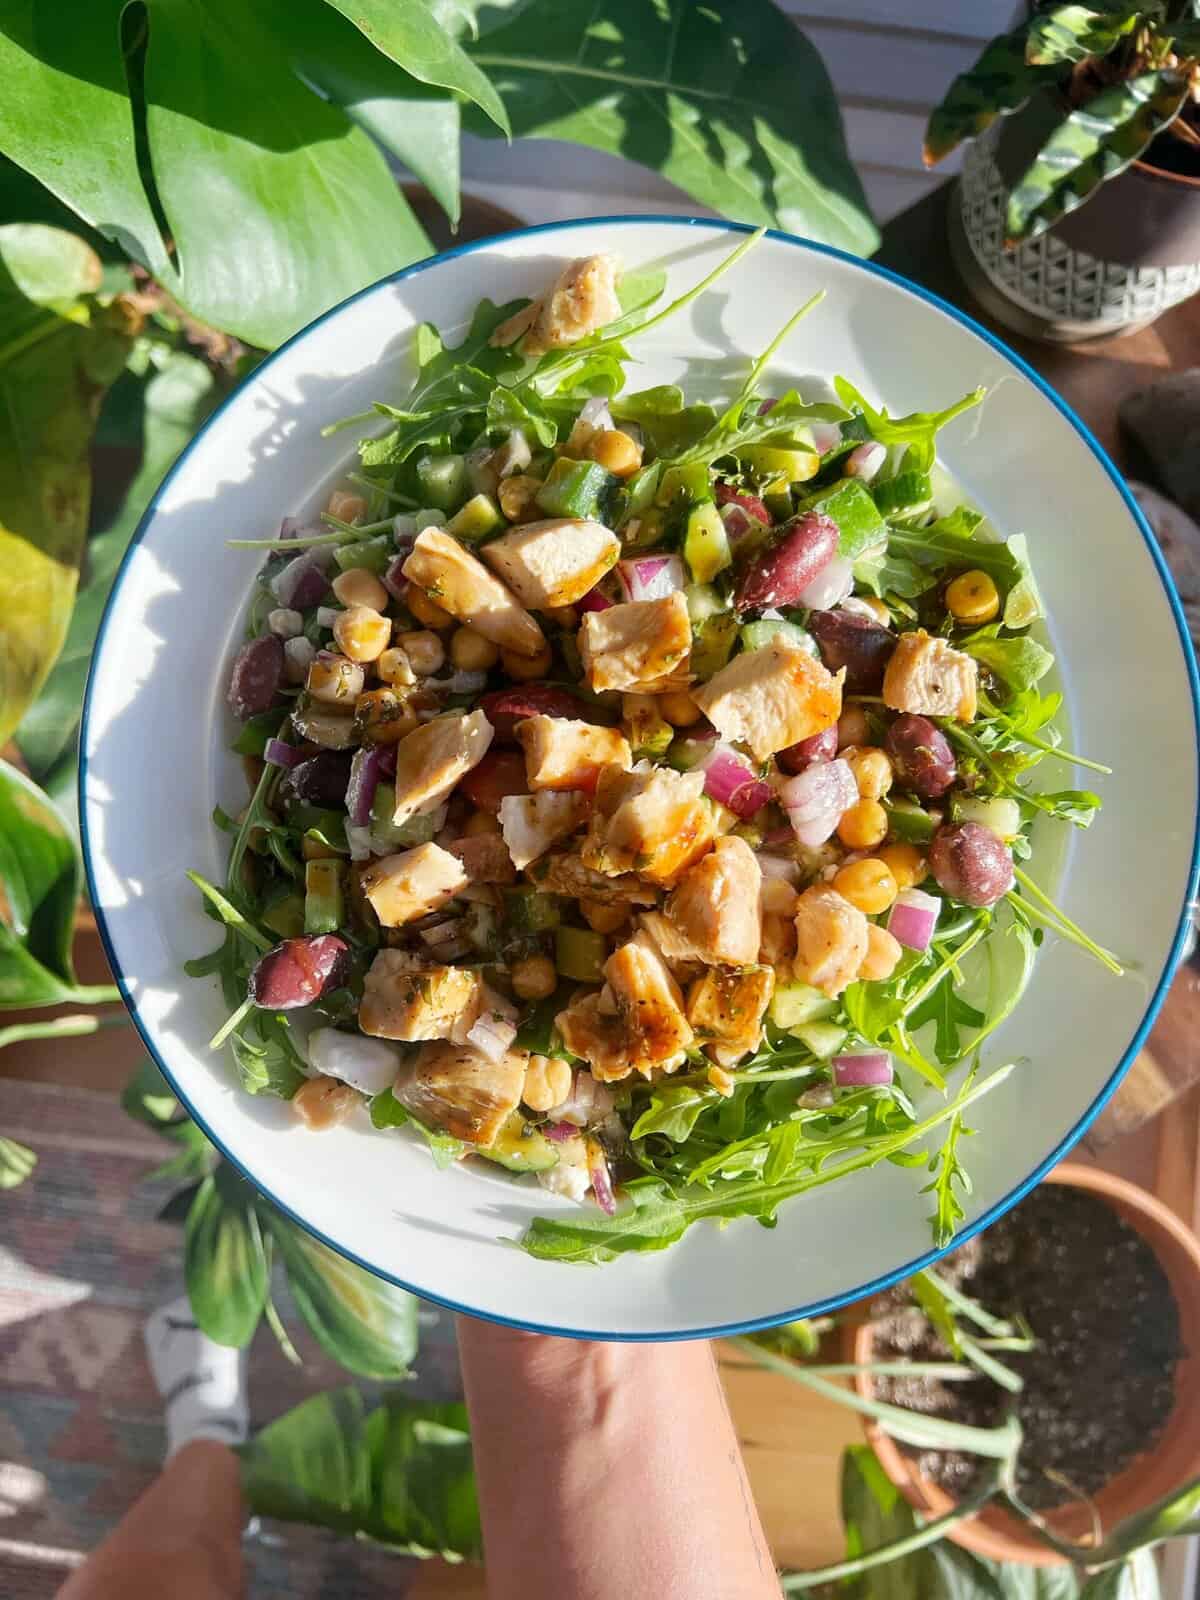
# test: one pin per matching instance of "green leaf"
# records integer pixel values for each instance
(1072, 33)
(58, 354)
(148, 1098)
(405, 31)
(927, 1292)
(224, 1262)
(1019, 663)
(917, 430)
(998, 82)
(727, 99)
(1093, 143)
(946, 1008)
(16, 1163)
(1175, 1516)
(1135, 1579)
(312, 1464)
(949, 1175)
(425, 1497)
(175, 400)
(672, 1110)
(366, 1324)
(267, 1059)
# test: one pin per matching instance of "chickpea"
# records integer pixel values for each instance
(853, 728)
(679, 709)
(346, 506)
(905, 863)
(426, 610)
(616, 452)
(547, 1083)
(778, 897)
(868, 885)
(864, 826)
(358, 587)
(425, 651)
(602, 916)
(395, 669)
(471, 652)
(323, 1102)
(285, 623)
(361, 633)
(721, 1081)
(883, 954)
(518, 498)
(383, 717)
(525, 668)
(872, 771)
(533, 977)
(480, 822)
(973, 598)
(334, 680)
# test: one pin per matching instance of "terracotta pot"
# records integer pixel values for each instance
(1174, 1459)
(1111, 266)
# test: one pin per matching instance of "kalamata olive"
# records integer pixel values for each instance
(777, 573)
(257, 676)
(298, 971)
(322, 779)
(860, 644)
(750, 503)
(971, 863)
(822, 746)
(499, 774)
(504, 708)
(921, 756)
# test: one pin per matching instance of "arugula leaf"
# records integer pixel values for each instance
(940, 545)
(916, 430)
(507, 409)
(1019, 663)
(884, 573)
(672, 1110)
(387, 1112)
(1024, 603)
(668, 425)
(949, 1174)
(946, 1008)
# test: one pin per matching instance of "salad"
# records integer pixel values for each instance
(631, 774)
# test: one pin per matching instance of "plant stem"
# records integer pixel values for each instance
(229, 913)
(230, 1024)
(971, 1309)
(1050, 914)
(58, 1028)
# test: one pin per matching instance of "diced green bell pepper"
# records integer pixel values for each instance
(529, 911)
(706, 544)
(475, 520)
(690, 483)
(580, 953)
(907, 821)
(324, 903)
(443, 480)
(574, 488)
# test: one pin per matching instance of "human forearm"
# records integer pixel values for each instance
(608, 1470)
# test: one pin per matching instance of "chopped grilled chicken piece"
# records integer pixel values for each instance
(434, 757)
(582, 299)
(726, 1009)
(634, 645)
(562, 754)
(485, 858)
(716, 905)
(554, 562)
(452, 578)
(531, 823)
(652, 821)
(413, 883)
(678, 952)
(569, 875)
(403, 999)
(459, 1090)
(771, 698)
(831, 940)
(927, 676)
(635, 1023)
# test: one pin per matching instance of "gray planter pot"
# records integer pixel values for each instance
(1122, 259)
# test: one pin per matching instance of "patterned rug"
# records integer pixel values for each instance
(83, 1261)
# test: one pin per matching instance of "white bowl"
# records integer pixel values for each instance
(155, 761)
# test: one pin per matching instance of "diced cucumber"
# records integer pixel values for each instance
(648, 732)
(824, 1039)
(285, 916)
(641, 489)
(324, 903)
(906, 493)
(848, 502)
(475, 520)
(580, 953)
(690, 483)
(443, 480)
(374, 554)
(997, 812)
(712, 644)
(795, 1003)
(387, 835)
(703, 602)
(706, 544)
(574, 488)
(755, 635)
(529, 911)
(520, 1147)
(907, 821)
(794, 465)
(429, 518)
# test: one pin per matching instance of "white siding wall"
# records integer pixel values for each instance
(887, 77)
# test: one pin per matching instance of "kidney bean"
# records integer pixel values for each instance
(921, 755)
(257, 676)
(777, 573)
(750, 503)
(504, 708)
(298, 971)
(322, 780)
(820, 747)
(971, 863)
(500, 773)
(860, 644)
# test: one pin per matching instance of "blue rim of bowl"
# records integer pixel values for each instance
(886, 1280)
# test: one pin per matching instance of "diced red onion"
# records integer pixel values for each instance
(816, 798)
(830, 587)
(913, 918)
(328, 615)
(560, 1132)
(593, 600)
(601, 1181)
(289, 528)
(862, 1069)
(865, 461)
(596, 414)
(302, 583)
(588, 1102)
(393, 578)
(767, 406)
(387, 760)
(729, 779)
(751, 504)
(491, 1036)
(278, 754)
(738, 522)
(359, 840)
(651, 577)
(364, 776)
(826, 436)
